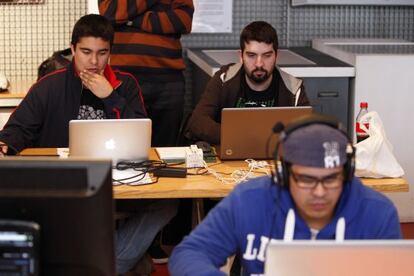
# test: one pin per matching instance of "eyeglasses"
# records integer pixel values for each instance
(331, 181)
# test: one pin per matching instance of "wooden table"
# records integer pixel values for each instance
(11, 98)
(193, 186)
(8, 99)
(16, 92)
(207, 186)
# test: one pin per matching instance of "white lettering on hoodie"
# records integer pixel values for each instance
(252, 253)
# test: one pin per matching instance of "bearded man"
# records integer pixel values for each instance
(253, 82)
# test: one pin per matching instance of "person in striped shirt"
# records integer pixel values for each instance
(147, 44)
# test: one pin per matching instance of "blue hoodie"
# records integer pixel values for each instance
(255, 212)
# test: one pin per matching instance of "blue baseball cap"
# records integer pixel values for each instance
(316, 145)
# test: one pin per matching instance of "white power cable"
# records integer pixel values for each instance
(240, 175)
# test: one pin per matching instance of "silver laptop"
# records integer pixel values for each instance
(245, 131)
(116, 139)
(327, 258)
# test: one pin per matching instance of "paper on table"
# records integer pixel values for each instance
(63, 152)
(171, 154)
(130, 177)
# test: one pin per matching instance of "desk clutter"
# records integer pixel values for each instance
(200, 184)
(180, 154)
(143, 172)
(254, 169)
(196, 159)
(180, 162)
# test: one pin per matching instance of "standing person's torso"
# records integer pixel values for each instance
(152, 57)
(147, 37)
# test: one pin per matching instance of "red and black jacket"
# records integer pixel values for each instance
(42, 118)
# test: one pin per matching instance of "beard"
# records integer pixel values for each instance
(258, 78)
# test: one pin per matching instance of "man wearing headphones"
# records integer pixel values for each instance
(314, 181)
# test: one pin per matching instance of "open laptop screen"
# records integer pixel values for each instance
(116, 139)
(245, 131)
(326, 258)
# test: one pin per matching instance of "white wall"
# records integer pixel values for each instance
(387, 84)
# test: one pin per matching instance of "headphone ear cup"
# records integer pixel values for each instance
(349, 167)
(282, 173)
(279, 173)
(281, 176)
(285, 174)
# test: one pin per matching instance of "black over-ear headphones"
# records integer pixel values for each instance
(281, 168)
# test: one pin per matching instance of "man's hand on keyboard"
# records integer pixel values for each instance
(3, 149)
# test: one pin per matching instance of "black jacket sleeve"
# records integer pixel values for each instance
(25, 123)
(126, 101)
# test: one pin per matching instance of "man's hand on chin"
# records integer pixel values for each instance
(97, 83)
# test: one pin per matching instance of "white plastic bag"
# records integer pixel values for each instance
(374, 156)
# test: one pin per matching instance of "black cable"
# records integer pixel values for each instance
(175, 164)
(119, 182)
(132, 179)
(149, 165)
(277, 129)
(141, 167)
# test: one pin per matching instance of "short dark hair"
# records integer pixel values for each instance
(92, 25)
(259, 31)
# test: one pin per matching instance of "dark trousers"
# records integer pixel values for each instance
(164, 102)
(135, 233)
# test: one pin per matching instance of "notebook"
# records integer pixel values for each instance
(327, 258)
(119, 139)
(245, 131)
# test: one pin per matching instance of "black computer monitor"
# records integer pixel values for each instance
(71, 201)
(19, 247)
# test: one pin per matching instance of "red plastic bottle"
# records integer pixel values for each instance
(360, 133)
